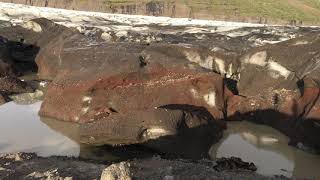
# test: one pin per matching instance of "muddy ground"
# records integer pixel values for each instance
(30, 166)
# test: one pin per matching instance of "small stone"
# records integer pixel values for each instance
(119, 171)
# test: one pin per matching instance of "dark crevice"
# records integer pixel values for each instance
(23, 55)
(300, 85)
(231, 84)
(142, 61)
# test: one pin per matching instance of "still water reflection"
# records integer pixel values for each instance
(22, 130)
(268, 149)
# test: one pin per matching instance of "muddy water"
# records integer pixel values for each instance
(268, 149)
(22, 130)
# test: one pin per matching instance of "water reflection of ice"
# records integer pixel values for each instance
(22, 131)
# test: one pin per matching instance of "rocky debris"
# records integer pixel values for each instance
(30, 166)
(159, 168)
(27, 98)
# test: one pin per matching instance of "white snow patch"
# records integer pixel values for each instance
(106, 36)
(196, 58)
(43, 83)
(220, 65)
(19, 12)
(238, 33)
(261, 42)
(192, 57)
(122, 34)
(272, 65)
(194, 92)
(207, 63)
(86, 99)
(259, 58)
(216, 49)
(300, 43)
(195, 30)
(156, 132)
(230, 71)
(210, 99)
(4, 17)
(84, 110)
(32, 26)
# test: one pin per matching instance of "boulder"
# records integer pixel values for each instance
(280, 66)
(93, 78)
(124, 93)
(279, 86)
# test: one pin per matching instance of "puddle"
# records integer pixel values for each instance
(268, 149)
(22, 130)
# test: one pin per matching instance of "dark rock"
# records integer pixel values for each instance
(233, 163)
(14, 85)
(6, 63)
(3, 98)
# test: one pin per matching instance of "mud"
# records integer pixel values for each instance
(30, 166)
